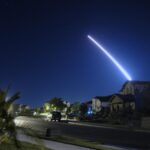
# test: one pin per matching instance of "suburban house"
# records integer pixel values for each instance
(16, 109)
(119, 102)
(134, 87)
(141, 92)
(13, 109)
(100, 102)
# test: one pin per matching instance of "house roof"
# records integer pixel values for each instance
(134, 82)
(89, 102)
(103, 98)
(127, 98)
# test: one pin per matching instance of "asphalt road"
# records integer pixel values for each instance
(114, 136)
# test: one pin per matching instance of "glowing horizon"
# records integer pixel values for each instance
(123, 71)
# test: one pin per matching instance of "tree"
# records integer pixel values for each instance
(75, 107)
(83, 109)
(38, 110)
(68, 111)
(46, 107)
(7, 125)
(56, 104)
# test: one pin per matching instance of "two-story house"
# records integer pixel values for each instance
(140, 90)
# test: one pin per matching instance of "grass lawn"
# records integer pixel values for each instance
(24, 146)
(80, 142)
(70, 140)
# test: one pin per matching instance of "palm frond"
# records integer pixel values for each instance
(12, 99)
(2, 96)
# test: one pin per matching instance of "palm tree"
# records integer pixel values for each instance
(7, 125)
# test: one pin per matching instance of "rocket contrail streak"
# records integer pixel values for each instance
(123, 71)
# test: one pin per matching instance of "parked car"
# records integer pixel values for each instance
(56, 116)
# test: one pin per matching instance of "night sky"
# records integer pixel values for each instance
(44, 50)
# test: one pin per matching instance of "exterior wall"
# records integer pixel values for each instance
(105, 104)
(118, 104)
(97, 104)
(139, 90)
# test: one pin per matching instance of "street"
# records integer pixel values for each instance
(112, 136)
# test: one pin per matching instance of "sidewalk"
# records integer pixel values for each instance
(60, 146)
(49, 144)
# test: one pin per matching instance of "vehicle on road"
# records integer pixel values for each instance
(56, 116)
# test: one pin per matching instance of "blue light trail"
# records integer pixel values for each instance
(123, 71)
